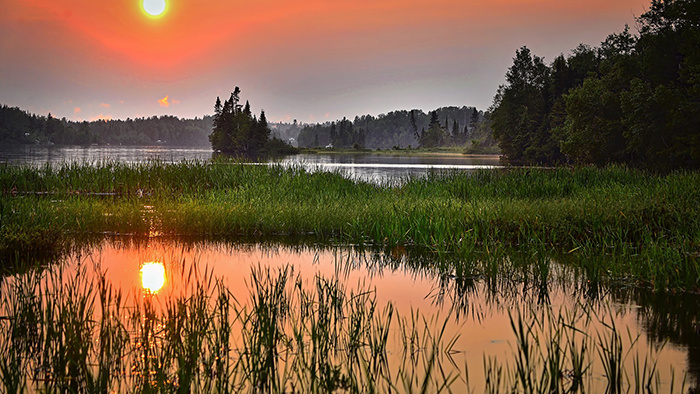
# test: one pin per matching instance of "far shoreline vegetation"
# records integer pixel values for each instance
(391, 132)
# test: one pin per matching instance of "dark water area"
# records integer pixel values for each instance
(653, 328)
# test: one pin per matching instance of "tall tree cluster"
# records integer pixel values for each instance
(236, 130)
(635, 99)
(165, 130)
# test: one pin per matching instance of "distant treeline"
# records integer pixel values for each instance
(447, 126)
(634, 100)
(20, 127)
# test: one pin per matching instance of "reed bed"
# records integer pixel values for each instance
(617, 222)
(578, 350)
(75, 332)
(68, 329)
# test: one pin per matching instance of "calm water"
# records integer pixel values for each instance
(388, 168)
(363, 166)
(40, 155)
(658, 328)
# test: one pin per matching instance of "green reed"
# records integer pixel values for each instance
(66, 328)
(646, 226)
(72, 331)
(568, 351)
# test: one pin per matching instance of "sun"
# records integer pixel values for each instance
(152, 276)
(154, 7)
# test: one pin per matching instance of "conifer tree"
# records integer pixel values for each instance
(236, 130)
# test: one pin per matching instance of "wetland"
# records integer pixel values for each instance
(286, 278)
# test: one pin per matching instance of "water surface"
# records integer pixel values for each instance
(381, 168)
(661, 329)
(369, 167)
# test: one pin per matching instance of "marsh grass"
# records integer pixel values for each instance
(73, 332)
(573, 351)
(67, 329)
(616, 222)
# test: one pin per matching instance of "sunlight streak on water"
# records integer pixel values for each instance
(152, 277)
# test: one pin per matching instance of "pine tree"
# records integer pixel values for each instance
(236, 130)
(414, 126)
(456, 136)
(262, 132)
(473, 120)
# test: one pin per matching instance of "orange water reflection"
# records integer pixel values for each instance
(482, 325)
(477, 315)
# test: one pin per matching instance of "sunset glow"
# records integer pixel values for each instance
(152, 276)
(154, 7)
(307, 60)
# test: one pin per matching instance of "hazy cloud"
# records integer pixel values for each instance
(76, 110)
(105, 105)
(167, 101)
(406, 54)
(164, 102)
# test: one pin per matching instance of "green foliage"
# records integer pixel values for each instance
(632, 100)
(520, 111)
(20, 127)
(637, 218)
(237, 132)
(593, 131)
(155, 130)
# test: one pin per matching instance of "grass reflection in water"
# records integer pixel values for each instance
(68, 327)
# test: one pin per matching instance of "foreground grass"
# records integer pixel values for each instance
(76, 333)
(73, 331)
(616, 223)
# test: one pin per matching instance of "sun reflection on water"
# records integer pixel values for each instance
(152, 276)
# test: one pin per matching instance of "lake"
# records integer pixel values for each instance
(364, 166)
(397, 317)
(474, 314)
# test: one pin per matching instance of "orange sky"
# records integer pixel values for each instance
(310, 60)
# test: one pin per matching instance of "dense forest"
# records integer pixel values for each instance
(162, 130)
(236, 131)
(635, 99)
(20, 127)
(448, 126)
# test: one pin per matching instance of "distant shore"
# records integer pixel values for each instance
(452, 151)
